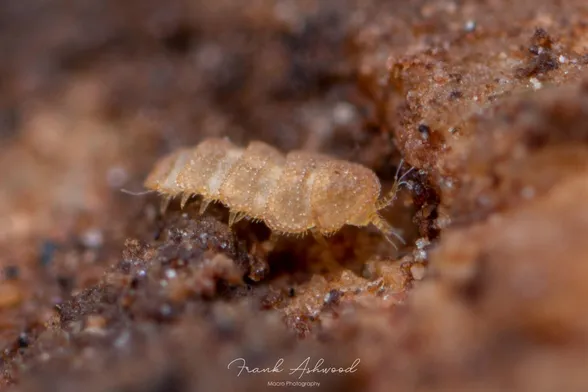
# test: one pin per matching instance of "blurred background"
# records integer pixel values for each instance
(92, 93)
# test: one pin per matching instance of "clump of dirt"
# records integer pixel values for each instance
(538, 140)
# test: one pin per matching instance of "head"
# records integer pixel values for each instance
(343, 193)
(164, 175)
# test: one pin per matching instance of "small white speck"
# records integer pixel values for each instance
(170, 273)
(343, 113)
(443, 222)
(536, 83)
(420, 255)
(447, 182)
(562, 59)
(92, 238)
(470, 26)
(417, 271)
(421, 243)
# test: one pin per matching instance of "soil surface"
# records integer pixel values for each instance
(487, 100)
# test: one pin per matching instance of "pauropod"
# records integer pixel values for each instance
(291, 193)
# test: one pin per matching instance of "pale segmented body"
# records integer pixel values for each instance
(293, 193)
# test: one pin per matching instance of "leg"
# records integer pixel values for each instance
(327, 255)
(235, 217)
(387, 230)
(391, 196)
(185, 198)
(164, 203)
(319, 237)
(203, 205)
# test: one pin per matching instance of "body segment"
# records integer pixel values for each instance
(245, 187)
(288, 208)
(208, 167)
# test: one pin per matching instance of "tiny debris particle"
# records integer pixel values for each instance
(447, 182)
(420, 255)
(170, 273)
(535, 83)
(543, 62)
(23, 340)
(92, 238)
(534, 49)
(425, 131)
(562, 59)
(417, 271)
(455, 94)
(259, 269)
(332, 297)
(442, 222)
(421, 243)
(343, 113)
(470, 26)
(542, 38)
